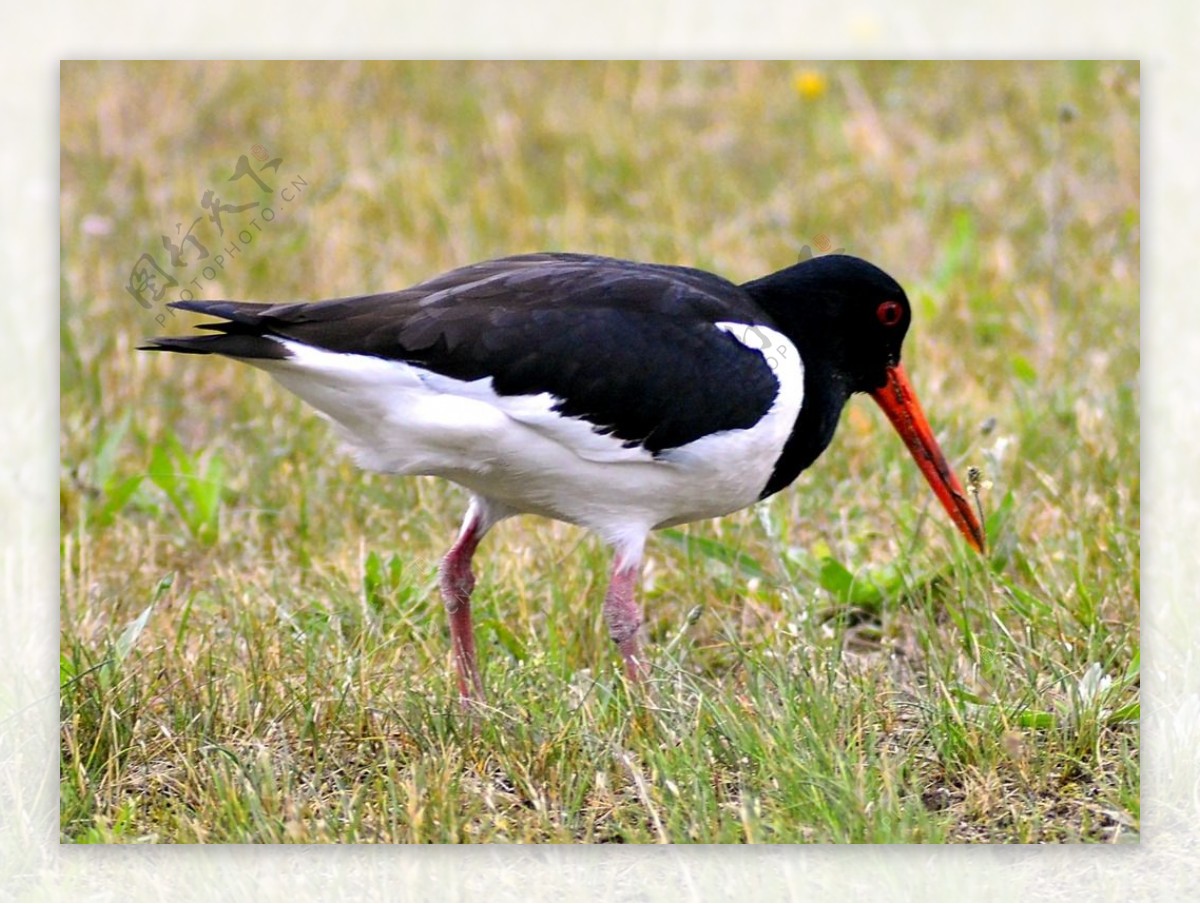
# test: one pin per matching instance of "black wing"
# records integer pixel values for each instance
(630, 347)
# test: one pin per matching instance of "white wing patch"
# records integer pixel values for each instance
(403, 418)
(537, 413)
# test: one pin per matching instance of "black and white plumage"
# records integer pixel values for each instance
(619, 396)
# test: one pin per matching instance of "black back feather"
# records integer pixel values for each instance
(630, 347)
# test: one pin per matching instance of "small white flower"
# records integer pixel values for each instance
(1092, 686)
(999, 449)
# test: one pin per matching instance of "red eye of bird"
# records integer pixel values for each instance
(889, 313)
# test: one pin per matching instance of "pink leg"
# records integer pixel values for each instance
(457, 581)
(622, 612)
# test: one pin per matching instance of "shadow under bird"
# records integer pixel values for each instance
(619, 396)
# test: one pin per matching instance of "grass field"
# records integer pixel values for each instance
(252, 646)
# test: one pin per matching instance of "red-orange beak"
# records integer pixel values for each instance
(899, 403)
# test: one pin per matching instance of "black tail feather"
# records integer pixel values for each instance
(244, 332)
(247, 312)
(232, 345)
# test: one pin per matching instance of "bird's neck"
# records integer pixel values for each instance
(802, 310)
(825, 395)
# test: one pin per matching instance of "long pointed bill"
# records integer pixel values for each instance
(899, 403)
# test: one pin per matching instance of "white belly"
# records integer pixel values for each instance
(517, 451)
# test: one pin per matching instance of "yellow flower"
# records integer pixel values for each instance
(810, 84)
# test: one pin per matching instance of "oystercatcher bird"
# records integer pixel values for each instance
(619, 396)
